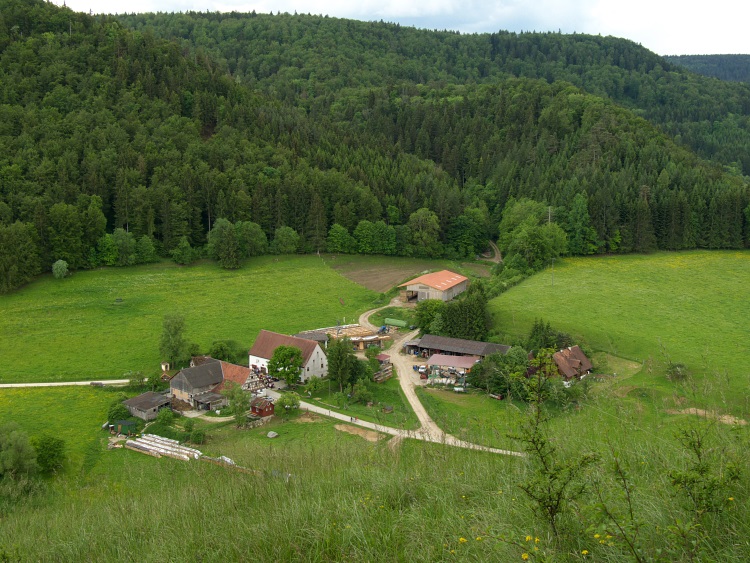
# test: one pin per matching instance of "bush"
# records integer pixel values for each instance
(189, 425)
(117, 411)
(60, 269)
(165, 416)
(198, 436)
(50, 453)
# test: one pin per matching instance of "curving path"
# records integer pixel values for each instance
(428, 431)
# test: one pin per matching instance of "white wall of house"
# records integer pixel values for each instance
(316, 365)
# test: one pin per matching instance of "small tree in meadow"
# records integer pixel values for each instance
(50, 453)
(288, 402)
(60, 269)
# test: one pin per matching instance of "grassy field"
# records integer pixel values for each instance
(76, 329)
(387, 393)
(684, 306)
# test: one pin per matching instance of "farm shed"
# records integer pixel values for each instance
(147, 405)
(443, 285)
(262, 406)
(430, 344)
(314, 361)
(209, 401)
(459, 363)
(572, 363)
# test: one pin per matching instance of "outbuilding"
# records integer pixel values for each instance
(262, 406)
(443, 285)
(147, 405)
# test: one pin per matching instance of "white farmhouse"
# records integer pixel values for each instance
(314, 361)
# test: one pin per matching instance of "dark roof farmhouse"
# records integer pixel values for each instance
(431, 344)
(443, 285)
(200, 385)
(572, 363)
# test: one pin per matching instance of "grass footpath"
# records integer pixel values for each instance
(100, 324)
(687, 306)
(387, 393)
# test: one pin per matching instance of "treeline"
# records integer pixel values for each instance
(315, 62)
(735, 68)
(105, 131)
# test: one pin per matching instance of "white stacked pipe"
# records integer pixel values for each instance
(171, 443)
(170, 446)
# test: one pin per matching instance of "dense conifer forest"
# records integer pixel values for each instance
(734, 68)
(125, 138)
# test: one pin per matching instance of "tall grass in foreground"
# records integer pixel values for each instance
(350, 500)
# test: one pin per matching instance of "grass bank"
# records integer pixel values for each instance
(685, 307)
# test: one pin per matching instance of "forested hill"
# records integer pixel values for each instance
(312, 60)
(115, 144)
(735, 68)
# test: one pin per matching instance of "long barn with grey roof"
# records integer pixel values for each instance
(431, 344)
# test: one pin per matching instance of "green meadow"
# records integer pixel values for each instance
(100, 324)
(684, 307)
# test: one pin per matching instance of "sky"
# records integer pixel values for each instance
(667, 27)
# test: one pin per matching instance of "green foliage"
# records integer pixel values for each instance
(339, 240)
(165, 417)
(426, 311)
(707, 479)
(117, 411)
(503, 374)
(288, 402)
(198, 436)
(285, 241)
(542, 335)
(50, 453)
(555, 482)
(342, 363)
(60, 269)
(223, 245)
(172, 345)
(361, 392)
(286, 363)
(183, 254)
(17, 456)
(19, 255)
(189, 425)
(239, 403)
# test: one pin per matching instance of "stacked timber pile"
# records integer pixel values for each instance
(157, 446)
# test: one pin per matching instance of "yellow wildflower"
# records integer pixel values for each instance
(528, 538)
(525, 556)
(585, 552)
(730, 498)
(596, 536)
(479, 538)
(536, 540)
(462, 540)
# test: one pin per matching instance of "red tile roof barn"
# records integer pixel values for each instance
(267, 342)
(234, 373)
(442, 280)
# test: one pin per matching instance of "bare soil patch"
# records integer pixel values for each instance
(368, 435)
(723, 418)
(307, 417)
(481, 270)
(378, 277)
